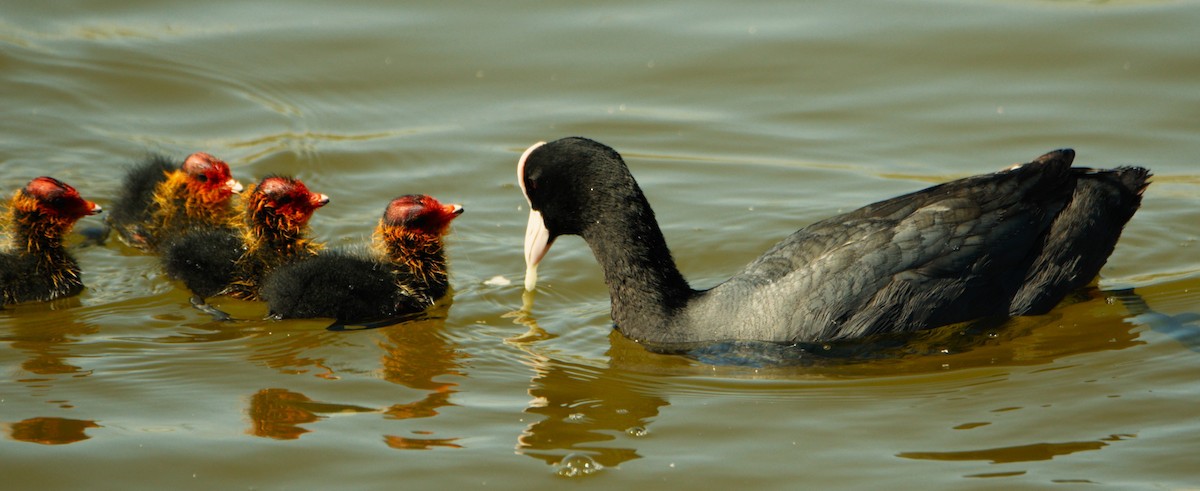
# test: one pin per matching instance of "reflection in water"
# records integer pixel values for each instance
(278, 413)
(581, 407)
(414, 355)
(1184, 327)
(1020, 453)
(524, 316)
(291, 355)
(50, 431)
(403, 443)
(45, 338)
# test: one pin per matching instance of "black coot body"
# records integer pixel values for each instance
(1011, 243)
(135, 201)
(347, 286)
(205, 259)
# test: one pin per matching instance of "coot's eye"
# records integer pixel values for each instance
(202, 178)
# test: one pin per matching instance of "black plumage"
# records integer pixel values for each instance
(231, 259)
(1014, 242)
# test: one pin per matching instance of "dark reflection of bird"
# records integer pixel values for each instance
(405, 273)
(278, 413)
(595, 413)
(34, 265)
(271, 229)
(50, 430)
(160, 199)
(1011, 243)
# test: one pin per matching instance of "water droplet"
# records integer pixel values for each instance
(637, 431)
(577, 465)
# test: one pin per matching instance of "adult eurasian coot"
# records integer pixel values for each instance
(1010, 243)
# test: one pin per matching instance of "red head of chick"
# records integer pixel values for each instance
(411, 232)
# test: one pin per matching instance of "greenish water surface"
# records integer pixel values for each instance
(742, 122)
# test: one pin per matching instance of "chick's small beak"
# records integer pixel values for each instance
(93, 208)
(234, 185)
(319, 200)
(454, 209)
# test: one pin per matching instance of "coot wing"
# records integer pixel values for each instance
(949, 253)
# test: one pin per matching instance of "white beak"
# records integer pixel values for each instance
(537, 238)
(537, 242)
(234, 185)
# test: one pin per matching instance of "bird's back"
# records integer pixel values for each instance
(133, 203)
(1009, 243)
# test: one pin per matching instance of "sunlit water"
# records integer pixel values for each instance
(742, 123)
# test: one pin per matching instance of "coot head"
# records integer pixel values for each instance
(210, 177)
(56, 199)
(573, 185)
(420, 213)
(286, 197)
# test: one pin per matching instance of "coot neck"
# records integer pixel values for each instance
(421, 254)
(270, 240)
(174, 197)
(41, 238)
(644, 284)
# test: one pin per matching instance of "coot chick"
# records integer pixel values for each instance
(160, 199)
(270, 229)
(1011, 243)
(34, 266)
(404, 273)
